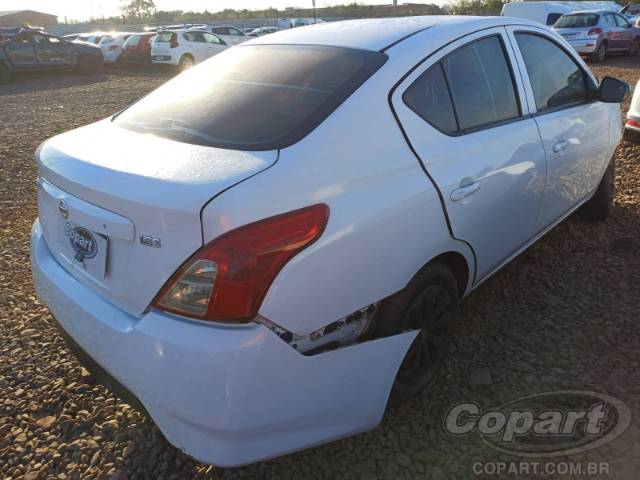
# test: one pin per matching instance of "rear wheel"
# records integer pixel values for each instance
(5, 74)
(599, 207)
(88, 64)
(429, 304)
(634, 48)
(186, 62)
(600, 54)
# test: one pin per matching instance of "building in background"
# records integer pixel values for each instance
(17, 18)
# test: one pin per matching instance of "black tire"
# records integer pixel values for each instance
(88, 64)
(429, 303)
(599, 207)
(634, 48)
(186, 62)
(600, 53)
(5, 75)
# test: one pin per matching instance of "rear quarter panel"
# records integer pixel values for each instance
(386, 218)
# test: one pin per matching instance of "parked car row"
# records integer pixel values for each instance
(593, 33)
(30, 49)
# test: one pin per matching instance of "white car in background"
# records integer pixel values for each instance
(632, 125)
(262, 249)
(93, 38)
(261, 31)
(111, 45)
(185, 48)
(232, 35)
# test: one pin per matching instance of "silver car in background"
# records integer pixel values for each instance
(594, 33)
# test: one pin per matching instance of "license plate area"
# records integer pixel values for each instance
(570, 36)
(83, 249)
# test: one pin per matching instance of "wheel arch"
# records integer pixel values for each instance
(459, 267)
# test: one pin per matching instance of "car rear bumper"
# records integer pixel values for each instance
(227, 395)
(584, 46)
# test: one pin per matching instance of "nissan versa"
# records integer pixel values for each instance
(268, 247)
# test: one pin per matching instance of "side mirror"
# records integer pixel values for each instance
(613, 90)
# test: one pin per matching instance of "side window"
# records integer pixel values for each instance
(40, 39)
(621, 21)
(469, 88)
(480, 82)
(22, 38)
(210, 38)
(189, 36)
(235, 31)
(608, 18)
(557, 81)
(428, 97)
(54, 40)
(553, 18)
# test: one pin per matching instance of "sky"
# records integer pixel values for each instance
(84, 9)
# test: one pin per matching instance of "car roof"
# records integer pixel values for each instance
(376, 33)
(599, 11)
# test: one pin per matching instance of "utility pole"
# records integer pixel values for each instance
(314, 12)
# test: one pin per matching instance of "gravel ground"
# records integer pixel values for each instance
(564, 315)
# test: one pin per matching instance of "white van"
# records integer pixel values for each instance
(548, 12)
(544, 12)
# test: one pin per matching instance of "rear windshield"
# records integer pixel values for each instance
(164, 37)
(258, 97)
(577, 20)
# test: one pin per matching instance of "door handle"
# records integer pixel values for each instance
(560, 145)
(463, 192)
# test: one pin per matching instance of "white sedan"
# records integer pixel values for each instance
(185, 48)
(265, 248)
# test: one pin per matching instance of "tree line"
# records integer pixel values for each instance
(144, 11)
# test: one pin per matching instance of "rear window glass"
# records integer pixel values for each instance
(258, 97)
(164, 37)
(577, 21)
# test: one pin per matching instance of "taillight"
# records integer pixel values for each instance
(174, 40)
(228, 279)
(633, 124)
(595, 31)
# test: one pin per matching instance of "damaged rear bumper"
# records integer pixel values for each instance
(225, 395)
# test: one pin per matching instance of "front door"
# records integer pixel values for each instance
(575, 128)
(21, 52)
(465, 115)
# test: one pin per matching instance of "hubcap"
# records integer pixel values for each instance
(432, 313)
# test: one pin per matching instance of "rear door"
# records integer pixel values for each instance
(626, 32)
(575, 128)
(52, 52)
(615, 36)
(193, 45)
(465, 113)
(21, 51)
(213, 44)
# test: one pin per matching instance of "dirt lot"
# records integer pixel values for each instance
(564, 315)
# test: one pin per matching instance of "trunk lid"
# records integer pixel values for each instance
(121, 210)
